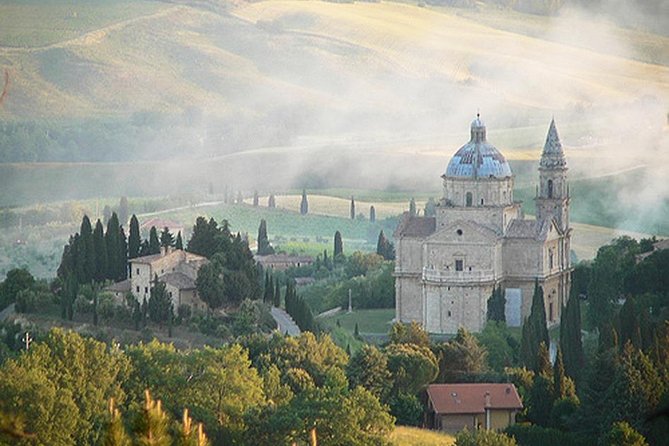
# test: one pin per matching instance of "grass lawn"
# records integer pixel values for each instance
(412, 436)
(369, 321)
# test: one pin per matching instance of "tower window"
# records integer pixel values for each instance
(550, 188)
(481, 201)
(468, 199)
(550, 312)
(459, 265)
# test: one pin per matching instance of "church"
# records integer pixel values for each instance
(448, 265)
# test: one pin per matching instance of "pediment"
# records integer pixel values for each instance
(465, 232)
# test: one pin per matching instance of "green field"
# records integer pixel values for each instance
(369, 321)
(412, 436)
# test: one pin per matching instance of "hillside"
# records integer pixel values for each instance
(153, 98)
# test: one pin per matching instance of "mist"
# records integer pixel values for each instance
(262, 97)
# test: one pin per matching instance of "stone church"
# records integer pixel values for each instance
(447, 265)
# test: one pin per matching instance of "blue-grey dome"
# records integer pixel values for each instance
(478, 158)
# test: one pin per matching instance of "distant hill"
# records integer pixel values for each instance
(122, 80)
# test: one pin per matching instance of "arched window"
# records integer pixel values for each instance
(481, 201)
(468, 199)
(550, 188)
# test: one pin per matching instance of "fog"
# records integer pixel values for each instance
(351, 96)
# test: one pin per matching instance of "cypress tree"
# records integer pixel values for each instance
(304, 204)
(536, 331)
(255, 198)
(154, 424)
(100, 249)
(144, 249)
(571, 345)
(561, 386)
(271, 201)
(372, 214)
(240, 197)
(277, 295)
(628, 321)
(356, 331)
(134, 238)
(179, 243)
(264, 248)
(382, 245)
(166, 238)
(112, 240)
(338, 245)
(352, 208)
(154, 242)
(87, 250)
(496, 304)
(412, 207)
(122, 256)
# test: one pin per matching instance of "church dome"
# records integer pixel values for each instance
(478, 158)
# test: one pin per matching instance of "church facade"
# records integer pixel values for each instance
(448, 265)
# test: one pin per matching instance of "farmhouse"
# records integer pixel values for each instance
(448, 265)
(452, 407)
(176, 268)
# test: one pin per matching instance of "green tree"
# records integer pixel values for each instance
(352, 209)
(412, 207)
(100, 250)
(412, 367)
(87, 253)
(134, 238)
(622, 434)
(153, 424)
(154, 241)
(179, 243)
(115, 256)
(255, 199)
(115, 433)
(628, 323)
(368, 368)
(461, 358)
(304, 204)
(535, 330)
(271, 201)
(496, 304)
(166, 238)
(264, 247)
(210, 285)
(16, 280)
(338, 245)
(563, 386)
(571, 344)
(384, 247)
(84, 373)
(411, 333)
(372, 214)
(542, 395)
(277, 294)
(160, 304)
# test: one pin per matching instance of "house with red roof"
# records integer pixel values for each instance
(452, 407)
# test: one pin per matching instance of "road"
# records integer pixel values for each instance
(285, 323)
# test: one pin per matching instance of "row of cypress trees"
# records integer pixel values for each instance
(298, 309)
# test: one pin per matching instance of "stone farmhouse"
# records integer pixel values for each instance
(447, 265)
(452, 407)
(176, 268)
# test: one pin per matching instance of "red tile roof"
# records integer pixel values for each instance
(471, 398)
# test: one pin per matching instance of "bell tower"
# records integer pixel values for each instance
(552, 200)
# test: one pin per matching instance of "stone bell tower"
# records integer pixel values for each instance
(552, 200)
